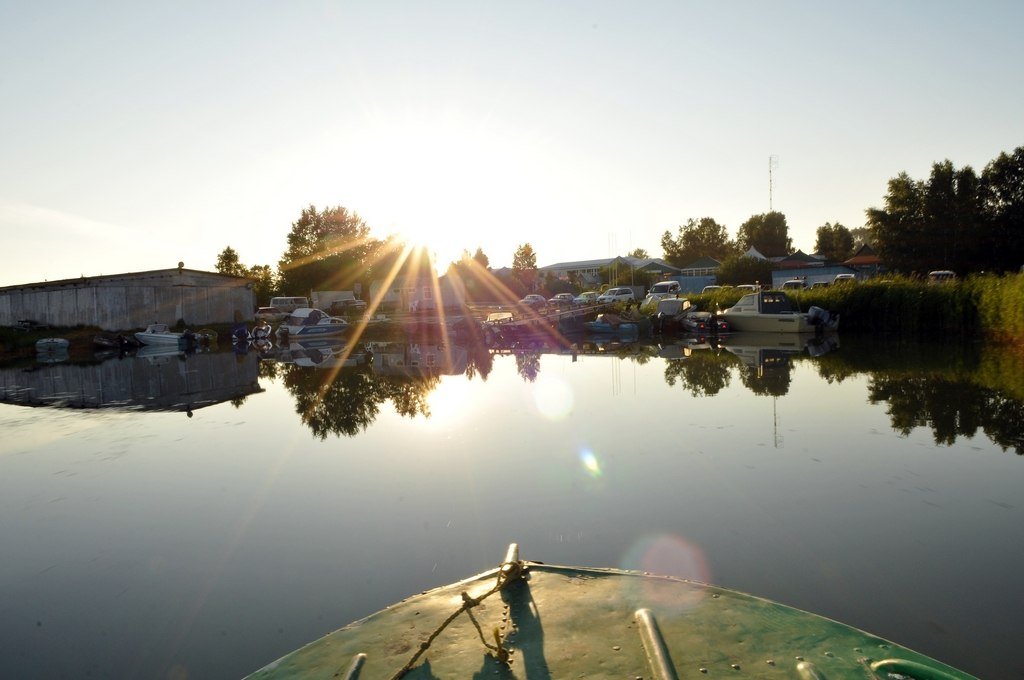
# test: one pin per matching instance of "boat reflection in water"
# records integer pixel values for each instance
(412, 359)
(156, 379)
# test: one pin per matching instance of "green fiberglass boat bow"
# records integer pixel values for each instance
(532, 621)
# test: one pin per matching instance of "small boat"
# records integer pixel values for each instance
(608, 323)
(308, 322)
(680, 315)
(52, 345)
(161, 334)
(118, 342)
(525, 620)
(773, 311)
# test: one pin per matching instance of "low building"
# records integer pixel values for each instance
(126, 301)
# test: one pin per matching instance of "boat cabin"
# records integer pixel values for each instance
(766, 302)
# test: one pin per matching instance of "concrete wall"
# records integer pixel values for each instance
(131, 300)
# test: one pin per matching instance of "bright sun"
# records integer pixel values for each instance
(445, 183)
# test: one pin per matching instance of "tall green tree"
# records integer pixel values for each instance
(768, 233)
(1002, 199)
(638, 253)
(524, 267)
(481, 258)
(264, 282)
(738, 269)
(697, 238)
(898, 229)
(935, 224)
(328, 249)
(834, 242)
(229, 263)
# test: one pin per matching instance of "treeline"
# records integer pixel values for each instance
(955, 219)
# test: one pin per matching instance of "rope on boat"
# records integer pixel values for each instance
(510, 570)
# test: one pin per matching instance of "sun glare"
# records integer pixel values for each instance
(444, 182)
(449, 403)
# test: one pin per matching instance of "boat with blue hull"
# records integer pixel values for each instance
(309, 322)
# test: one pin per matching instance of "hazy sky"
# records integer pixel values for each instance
(137, 134)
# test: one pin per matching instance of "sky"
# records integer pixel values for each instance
(134, 135)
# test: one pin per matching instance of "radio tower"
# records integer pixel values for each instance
(773, 164)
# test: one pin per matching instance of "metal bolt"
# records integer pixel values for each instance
(735, 666)
(703, 670)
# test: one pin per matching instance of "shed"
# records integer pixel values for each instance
(133, 300)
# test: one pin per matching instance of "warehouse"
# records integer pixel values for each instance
(127, 301)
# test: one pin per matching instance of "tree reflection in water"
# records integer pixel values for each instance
(346, 402)
(954, 391)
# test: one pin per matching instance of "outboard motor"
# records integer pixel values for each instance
(818, 316)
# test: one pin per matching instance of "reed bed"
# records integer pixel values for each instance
(984, 306)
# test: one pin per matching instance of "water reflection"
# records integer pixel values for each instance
(155, 379)
(339, 387)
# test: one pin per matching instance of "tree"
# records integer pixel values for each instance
(938, 224)
(1001, 195)
(768, 233)
(329, 249)
(481, 258)
(228, 263)
(898, 229)
(738, 269)
(524, 266)
(639, 253)
(697, 238)
(861, 235)
(265, 282)
(834, 243)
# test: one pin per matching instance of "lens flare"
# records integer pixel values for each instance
(553, 398)
(667, 555)
(590, 463)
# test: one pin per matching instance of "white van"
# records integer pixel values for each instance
(664, 289)
(289, 304)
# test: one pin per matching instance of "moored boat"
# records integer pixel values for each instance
(52, 345)
(773, 311)
(608, 323)
(532, 620)
(309, 322)
(161, 334)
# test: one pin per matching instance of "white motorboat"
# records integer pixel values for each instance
(160, 334)
(307, 322)
(773, 311)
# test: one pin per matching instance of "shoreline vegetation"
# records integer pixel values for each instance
(983, 307)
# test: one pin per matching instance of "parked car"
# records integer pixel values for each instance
(664, 289)
(845, 278)
(533, 300)
(941, 276)
(342, 307)
(711, 289)
(794, 284)
(820, 284)
(270, 314)
(748, 288)
(617, 295)
(562, 300)
(587, 298)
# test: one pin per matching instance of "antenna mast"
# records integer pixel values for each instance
(773, 163)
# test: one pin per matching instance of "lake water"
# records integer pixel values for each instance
(198, 517)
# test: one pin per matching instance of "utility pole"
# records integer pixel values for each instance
(773, 164)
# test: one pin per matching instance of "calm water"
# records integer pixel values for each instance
(164, 517)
